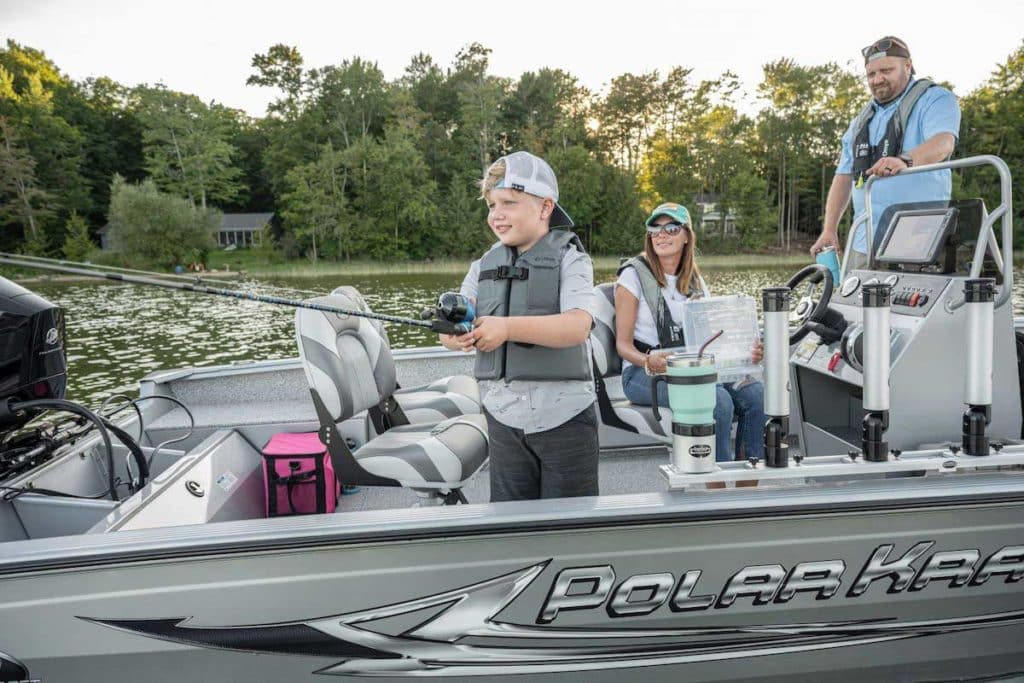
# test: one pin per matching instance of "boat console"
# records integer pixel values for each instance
(918, 259)
(880, 375)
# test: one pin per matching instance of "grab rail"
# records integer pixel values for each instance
(1004, 211)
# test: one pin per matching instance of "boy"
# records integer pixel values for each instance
(534, 296)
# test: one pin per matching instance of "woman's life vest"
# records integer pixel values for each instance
(514, 284)
(670, 333)
(866, 155)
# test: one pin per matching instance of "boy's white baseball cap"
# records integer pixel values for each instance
(531, 174)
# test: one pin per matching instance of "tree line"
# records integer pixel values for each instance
(357, 166)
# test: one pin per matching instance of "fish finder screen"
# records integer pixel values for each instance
(914, 237)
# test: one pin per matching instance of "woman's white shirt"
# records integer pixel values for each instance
(645, 330)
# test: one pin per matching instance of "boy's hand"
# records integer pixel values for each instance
(462, 342)
(490, 332)
(757, 352)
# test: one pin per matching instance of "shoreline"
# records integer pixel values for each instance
(301, 269)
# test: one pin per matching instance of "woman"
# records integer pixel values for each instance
(667, 270)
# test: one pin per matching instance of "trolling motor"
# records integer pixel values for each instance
(876, 306)
(776, 375)
(454, 309)
(979, 295)
(691, 379)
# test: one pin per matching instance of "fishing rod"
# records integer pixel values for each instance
(197, 277)
(63, 262)
(459, 321)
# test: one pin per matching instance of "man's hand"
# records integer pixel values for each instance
(828, 238)
(887, 166)
(757, 352)
(462, 342)
(489, 332)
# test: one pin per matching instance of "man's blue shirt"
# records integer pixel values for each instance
(936, 112)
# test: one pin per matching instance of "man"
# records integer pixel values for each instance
(908, 122)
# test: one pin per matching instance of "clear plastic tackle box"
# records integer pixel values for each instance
(737, 316)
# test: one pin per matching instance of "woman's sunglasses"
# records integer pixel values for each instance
(672, 229)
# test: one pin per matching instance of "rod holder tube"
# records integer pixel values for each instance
(875, 304)
(876, 307)
(979, 300)
(979, 295)
(776, 375)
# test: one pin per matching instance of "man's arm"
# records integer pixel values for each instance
(937, 148)
(838, 199)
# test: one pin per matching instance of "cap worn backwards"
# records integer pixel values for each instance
(530, 174)
(887, 46)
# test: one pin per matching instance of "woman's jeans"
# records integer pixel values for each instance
(746, 403)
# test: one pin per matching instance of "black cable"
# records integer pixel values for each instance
(128, 403)
(15, 491)
(191, 427)
(133, 448)
(68, 406)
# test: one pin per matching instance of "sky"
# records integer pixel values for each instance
(205, 46)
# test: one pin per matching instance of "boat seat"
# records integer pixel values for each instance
(444, 398)
(620, 412)
(349, 367)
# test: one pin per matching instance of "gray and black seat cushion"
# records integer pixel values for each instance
(350, 369)
(608, 366)
(439, 400)
(445, 456)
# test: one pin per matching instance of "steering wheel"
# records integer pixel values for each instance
(811, 307)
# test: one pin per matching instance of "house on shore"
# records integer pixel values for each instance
(710, 216)
(242, 229)
(239, 229)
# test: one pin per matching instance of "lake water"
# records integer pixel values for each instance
(117, 333)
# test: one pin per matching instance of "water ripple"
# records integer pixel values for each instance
(117, 333)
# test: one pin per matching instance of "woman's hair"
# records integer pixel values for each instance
(494, 174)
(687, 272)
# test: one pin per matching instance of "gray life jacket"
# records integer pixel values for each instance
(866, 155)
(528, 284)
(670, 333)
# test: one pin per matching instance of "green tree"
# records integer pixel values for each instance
(22, 201)
(157, 227)
(187, 146)
(77, 243)
(993, 123)
(315, 207)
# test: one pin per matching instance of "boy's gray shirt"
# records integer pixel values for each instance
(536, 406)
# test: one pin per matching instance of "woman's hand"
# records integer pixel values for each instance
(757, 352)
(657, 363)
(462, 342)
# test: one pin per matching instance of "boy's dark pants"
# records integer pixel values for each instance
(558, 463)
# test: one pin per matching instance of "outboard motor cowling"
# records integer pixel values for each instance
(33, 364)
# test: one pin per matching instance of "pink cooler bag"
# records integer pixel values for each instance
(298, 476)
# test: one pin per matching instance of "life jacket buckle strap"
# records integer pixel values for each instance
(506, 273)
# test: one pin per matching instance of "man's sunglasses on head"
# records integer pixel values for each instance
(885, 45)
(672, 229)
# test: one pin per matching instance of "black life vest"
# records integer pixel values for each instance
(866, 155)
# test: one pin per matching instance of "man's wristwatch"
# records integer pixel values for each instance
(907, 159)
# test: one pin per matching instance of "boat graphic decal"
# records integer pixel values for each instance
(458, 633)
(11, 670)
